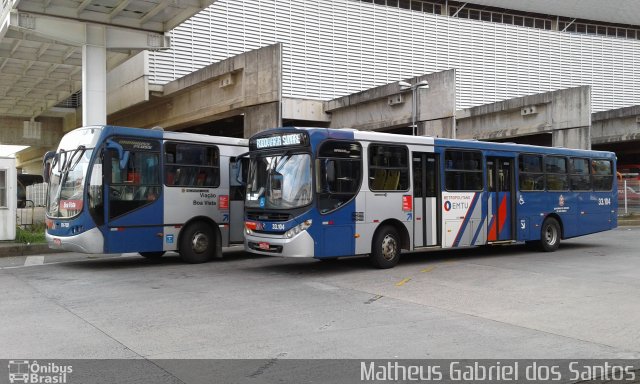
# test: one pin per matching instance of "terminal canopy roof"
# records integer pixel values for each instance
(38, 70)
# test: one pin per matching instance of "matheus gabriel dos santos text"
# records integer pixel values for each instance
(513, 371)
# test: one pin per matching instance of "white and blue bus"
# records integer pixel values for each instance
(327, 193)
(117, 189)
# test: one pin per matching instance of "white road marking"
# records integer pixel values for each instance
(34, 260)
(321, 286)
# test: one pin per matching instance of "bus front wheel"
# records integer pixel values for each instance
(385, 251)
(550, 235)
(197, 243)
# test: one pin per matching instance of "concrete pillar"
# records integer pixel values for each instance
(437, 128)
(261, 117)
(572, 138)
(94, 76)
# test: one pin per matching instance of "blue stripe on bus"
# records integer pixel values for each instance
(467, 217)
(475, 237)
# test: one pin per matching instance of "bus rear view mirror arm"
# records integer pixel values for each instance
(123, 155)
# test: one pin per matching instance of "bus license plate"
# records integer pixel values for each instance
(264, 245)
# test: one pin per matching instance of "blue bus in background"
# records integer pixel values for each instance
(117, 189)
(327, 193)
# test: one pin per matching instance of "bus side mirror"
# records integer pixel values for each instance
(123, 155)
(48, 160)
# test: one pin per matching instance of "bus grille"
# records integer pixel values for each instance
(268, 216)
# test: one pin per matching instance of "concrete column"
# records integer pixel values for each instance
(572, 138)
(94, 76)
(261, 117)
(437, 128)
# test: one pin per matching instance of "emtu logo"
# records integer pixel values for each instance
(19, 371)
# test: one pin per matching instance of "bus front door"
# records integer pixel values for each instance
(425, 195)
(500, 206)
(134, 200)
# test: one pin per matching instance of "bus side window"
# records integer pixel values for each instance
(580, 179)
(531, 173)
(339, 174)
(191, 164)
(135, 183)
(463, 170)
(388, 167)
(602, 171)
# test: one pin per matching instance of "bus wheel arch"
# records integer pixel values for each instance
(405, 240)
(388, 241)
(550, 233)
(199, 240)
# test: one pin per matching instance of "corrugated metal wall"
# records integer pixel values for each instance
(336, 47)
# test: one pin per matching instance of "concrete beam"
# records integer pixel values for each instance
(73, 32)
(616, 125)
(567, 110)
(128, 83)
(227, 88)
(388, 106)
(303, 109)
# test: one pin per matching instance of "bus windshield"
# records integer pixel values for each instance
(279, 181)
(67, 181)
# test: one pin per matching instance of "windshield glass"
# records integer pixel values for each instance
(68, 172)
(279, 181)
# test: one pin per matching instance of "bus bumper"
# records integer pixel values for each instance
(90, 241)
(300, 245)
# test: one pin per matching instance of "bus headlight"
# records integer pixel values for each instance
(250, 226)
(298, 228)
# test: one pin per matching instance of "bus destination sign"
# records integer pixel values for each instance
(280, 140)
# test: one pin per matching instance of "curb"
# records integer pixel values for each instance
(18, 249)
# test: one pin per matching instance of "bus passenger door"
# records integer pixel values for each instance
(500, 184)
(238, 169)
(425, 196)
(133, 194)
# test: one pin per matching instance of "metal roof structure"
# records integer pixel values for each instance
(40, 67)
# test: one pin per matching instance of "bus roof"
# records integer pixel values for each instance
(453, 143)
(170, 135)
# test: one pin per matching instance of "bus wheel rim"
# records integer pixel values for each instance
(550, 235)
(199, 242)
(389, 247)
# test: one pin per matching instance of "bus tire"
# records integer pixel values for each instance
(385, 250)
(197, 243)
(152, 255)
(550, 235)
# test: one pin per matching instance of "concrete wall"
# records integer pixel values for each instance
(566, 114)
(616, 125)
(371, 109)
(239, 85)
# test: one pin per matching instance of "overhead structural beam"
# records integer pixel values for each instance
(95, 40)
(72, 32)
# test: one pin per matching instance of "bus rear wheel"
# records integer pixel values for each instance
(152, 255)
(385, 250)
(197, 243)
(550, 235)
